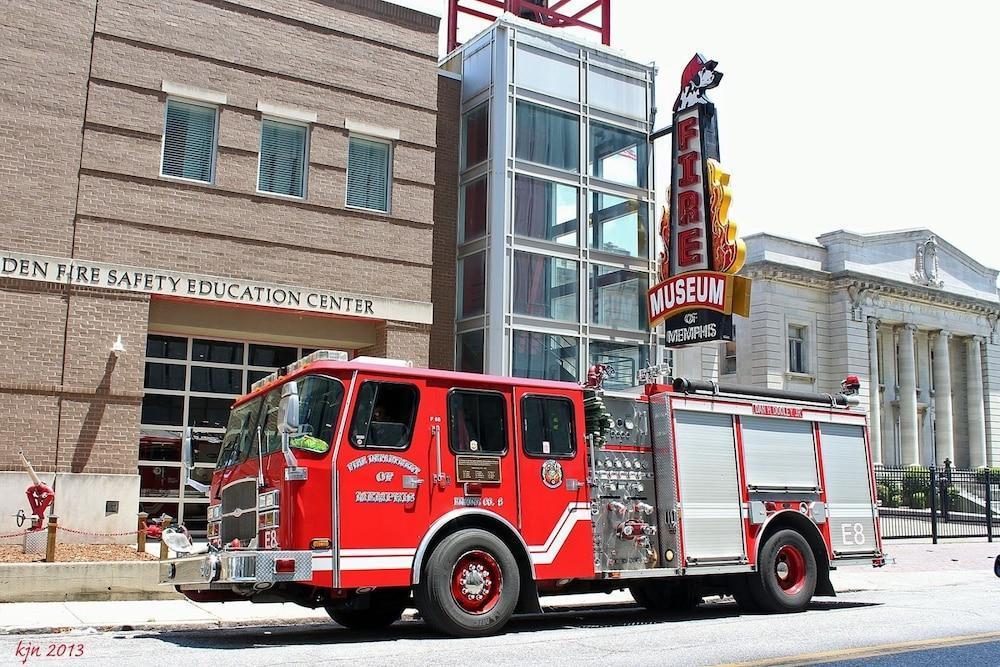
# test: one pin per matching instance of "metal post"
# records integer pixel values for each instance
(164, 551)
(50, 545)
(989, 505)
(934, 504)
(946, 484)
(140, 534)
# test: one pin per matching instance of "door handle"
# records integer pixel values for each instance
(411, 481)
(440, 478)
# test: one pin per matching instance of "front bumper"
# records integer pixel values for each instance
(225, 568)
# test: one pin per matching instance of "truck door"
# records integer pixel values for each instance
(383, 483)
(847, 476)
(708, 484)
(554, 511)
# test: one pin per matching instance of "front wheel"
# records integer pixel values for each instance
(470, 585)
(786, 575)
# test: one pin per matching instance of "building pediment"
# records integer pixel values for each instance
(916, 257)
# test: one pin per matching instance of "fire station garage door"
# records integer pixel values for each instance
(711, 521)
(848, 489)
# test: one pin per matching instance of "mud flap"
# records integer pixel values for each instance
(824, 586)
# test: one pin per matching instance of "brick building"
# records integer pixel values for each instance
(196, 192)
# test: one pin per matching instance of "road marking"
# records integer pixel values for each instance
(870, 651)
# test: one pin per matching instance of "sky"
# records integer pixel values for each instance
(867, 116)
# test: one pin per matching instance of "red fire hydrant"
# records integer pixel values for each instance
(40, 496)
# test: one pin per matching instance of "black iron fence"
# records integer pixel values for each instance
(938, 503)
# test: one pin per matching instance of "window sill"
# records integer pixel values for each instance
(278, 195)
(800, 377)
(181, 179)
(368, 210)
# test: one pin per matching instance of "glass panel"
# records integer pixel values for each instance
(472, 285)
(166, 347)
(547, 136)
(544, 356)
(160, 481)
(546, 287)
(189, 141)
(471, 351)
(548, 426)
(270, 440)
(196, 515)
(157, 509)
(319, 405)
(164, 376)
(165, 410)
(272, 356)
(217, 351)
(216, 380)
(618, 155)
(205, 447)
(210, 412)
(477, 422)
(547, 73)
(476, 135)
(159, 446)
(282, 158)
(384, 415)
(477, 71)
(618, 297)
(203, 475)
(618, 225)
(253, 376)
(474, 210)
(546, 210)
(624, 359)
(615, 92)
(239, 433)
(368, 174)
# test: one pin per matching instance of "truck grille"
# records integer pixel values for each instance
(239, 511)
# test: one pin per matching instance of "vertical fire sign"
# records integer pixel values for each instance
(698, 293)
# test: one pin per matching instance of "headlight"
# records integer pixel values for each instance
(267, 500)
(214, 512)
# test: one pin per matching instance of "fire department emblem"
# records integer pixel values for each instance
(552, 474)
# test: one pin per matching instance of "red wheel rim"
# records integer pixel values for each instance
(790, 569)
(476, 582)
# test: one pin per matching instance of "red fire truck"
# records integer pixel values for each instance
(367, 486)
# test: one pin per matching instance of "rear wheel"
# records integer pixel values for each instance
(664, 596)
(786, 575)
(470, 585)
(376, 611)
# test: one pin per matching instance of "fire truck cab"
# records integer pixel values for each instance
(367, 486)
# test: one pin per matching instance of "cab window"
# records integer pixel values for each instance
(319, 405)
(267, 426)
(547, 426)
(477, 422)
(239, 434)
(384, 415)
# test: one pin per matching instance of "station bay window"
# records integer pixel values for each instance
(189, 141)
(544, 356)
(547, 136)
(546, 210)
(618, 225)
(546, 287)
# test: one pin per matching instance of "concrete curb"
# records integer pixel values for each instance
(62, 582)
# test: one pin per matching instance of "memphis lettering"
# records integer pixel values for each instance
(698, 289)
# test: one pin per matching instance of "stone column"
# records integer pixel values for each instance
(974, 395)
(874, 395)
(943, 434)
(908, 444)
(888, 362)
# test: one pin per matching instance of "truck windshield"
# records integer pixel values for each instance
(320, 400)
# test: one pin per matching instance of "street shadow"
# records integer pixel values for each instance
(582, 617)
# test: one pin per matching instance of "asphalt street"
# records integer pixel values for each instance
(831, 630)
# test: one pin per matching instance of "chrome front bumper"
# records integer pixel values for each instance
(234, 567)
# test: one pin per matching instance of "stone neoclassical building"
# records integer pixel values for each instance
(905, 307)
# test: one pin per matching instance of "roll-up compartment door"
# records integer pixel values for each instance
(848, 489)
(779, 454)
(710, 505)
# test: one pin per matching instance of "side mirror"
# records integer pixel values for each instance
(187, 455)
(288, 409)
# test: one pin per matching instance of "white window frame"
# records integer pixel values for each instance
(305, 157)
(806, 341)
(389, 165)
(215, 143)
(724, 355)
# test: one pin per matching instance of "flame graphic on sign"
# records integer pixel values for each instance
(728, 252)
(664, 271)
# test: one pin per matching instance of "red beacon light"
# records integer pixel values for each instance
(851, 385)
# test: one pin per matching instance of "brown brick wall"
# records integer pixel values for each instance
(443, 285)
(45, 47)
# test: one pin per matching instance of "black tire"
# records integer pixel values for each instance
(666, 596)
(446, 608)
(786, 575)
(377, 612)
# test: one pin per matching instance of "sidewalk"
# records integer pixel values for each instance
(916, 566)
